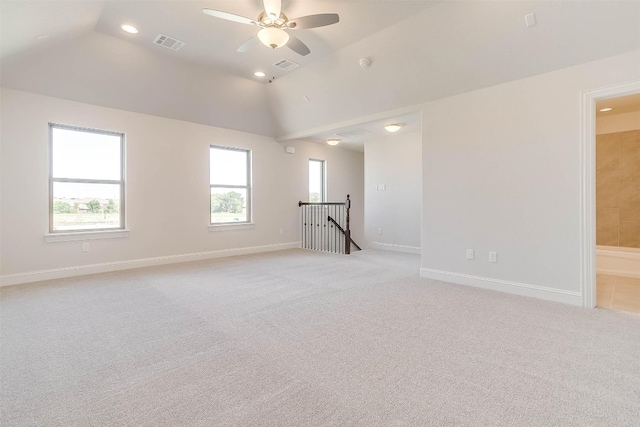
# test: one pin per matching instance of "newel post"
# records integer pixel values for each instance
(347, 233)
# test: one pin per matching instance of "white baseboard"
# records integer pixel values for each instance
(618, 261)
(524, 289)
(396, 248)
(80, 270)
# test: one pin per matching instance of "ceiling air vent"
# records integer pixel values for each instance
(286, 65)
(168, 42)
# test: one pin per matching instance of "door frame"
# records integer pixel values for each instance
(588, 181)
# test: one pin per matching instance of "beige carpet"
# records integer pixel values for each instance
(301, 338)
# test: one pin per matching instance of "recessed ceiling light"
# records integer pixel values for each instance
(129, 29)
(604, 110)
(259, 74)
(333, 141)
(394, 127)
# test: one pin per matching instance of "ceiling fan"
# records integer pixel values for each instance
(273, 23)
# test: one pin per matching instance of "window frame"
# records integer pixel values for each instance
(248, 188)
(323, 179)
(120, 182)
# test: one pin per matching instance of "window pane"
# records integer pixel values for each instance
(316, 181)
(228, 205)
(85, 206)
(85, 155)
(228, 167)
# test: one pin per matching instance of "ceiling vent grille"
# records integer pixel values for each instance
(168, 42)
(286, 65)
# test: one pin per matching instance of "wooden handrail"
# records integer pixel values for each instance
(342, 231)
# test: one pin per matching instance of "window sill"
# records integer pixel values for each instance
(232, 227)
(85, 235)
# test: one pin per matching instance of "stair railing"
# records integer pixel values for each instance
(325, 226)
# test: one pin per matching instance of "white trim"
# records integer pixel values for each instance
(395, 248)
(86, 235)
(617, 272)
(620, 252)
(523, 289)
(232, 227)
(348, 123)
(618, 261)
(587, 184)
(80, 270)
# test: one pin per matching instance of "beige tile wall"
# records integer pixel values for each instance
(618, 189)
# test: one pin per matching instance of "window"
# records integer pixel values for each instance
(230, 180)
(317, 192)
(86, 179)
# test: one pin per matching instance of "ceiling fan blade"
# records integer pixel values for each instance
(248, 44)
(273, 8)
(229, 16)
(297, 46)
(314, 21)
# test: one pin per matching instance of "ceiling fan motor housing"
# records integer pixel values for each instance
(267, 21)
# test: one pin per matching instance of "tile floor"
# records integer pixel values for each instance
(618, 293)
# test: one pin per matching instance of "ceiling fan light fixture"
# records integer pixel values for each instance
(333, 141)
(394, 127)
(273, 37)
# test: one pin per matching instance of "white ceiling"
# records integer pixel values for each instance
(209, 41)
(420, 51)
(213, 41)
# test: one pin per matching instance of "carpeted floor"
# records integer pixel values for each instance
(300, 338)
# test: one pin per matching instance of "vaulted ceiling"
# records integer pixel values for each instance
(419, 51)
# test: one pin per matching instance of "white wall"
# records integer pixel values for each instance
(394, 161)
(167, 165)
(501, 172)
(618, 123)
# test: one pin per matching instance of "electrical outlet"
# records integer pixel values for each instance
(469, 253)
(493, 256)
(85, 246)
(380, 231)
(382, 187)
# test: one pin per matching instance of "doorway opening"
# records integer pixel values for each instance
(618, 203)
(610, 208)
